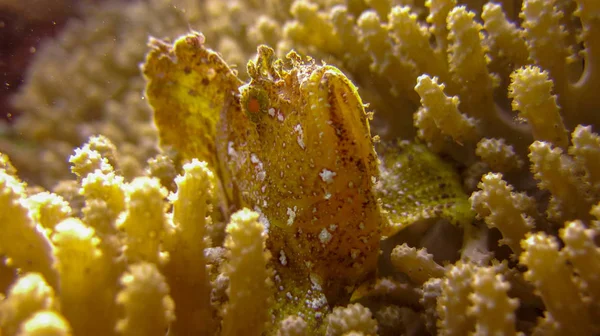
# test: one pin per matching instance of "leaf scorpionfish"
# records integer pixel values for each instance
(293, 144)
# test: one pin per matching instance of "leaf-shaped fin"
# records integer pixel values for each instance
(416, 184)
(187, 85)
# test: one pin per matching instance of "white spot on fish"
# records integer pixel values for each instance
(291, 215)
(300, 138)
(327, 175)
(282, 258)
(324, 236)
(230, 150)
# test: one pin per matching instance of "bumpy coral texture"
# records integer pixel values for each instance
(413, 167)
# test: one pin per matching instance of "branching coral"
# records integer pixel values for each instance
(550, 274)
(23, 239)
(492, 308)
(145, 300)
(191, 218)
(354, 318)
(417, 264)
(91, 271)
(27, 296)
(275, 224)
(250, 284)
(504, 209)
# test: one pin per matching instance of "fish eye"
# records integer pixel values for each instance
(253, 105)
(254, 102)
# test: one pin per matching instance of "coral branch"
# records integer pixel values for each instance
(586, 152)
(581, 250)
(504, 209)
(48, 209)
(557, 172)
(311, 27)
(432, 289)
(104, 201)
(546, 41)
(86, 161)
(250, 284)
(413, 40)
(353, 318)
(468, 64)
(292, 326)
(84, 278)
(417, 264)
(453, 303)
(186, 270)
(492, 308)
(551, 276)
(148, 308)
(443, 110)
(531, 91)
(144, 220)
(395, 68)
(589, 13)
(28, 295)
(23, 242)
(498, 155)
(438, 12)
(506, 44)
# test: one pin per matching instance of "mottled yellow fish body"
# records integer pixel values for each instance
(306, 162)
